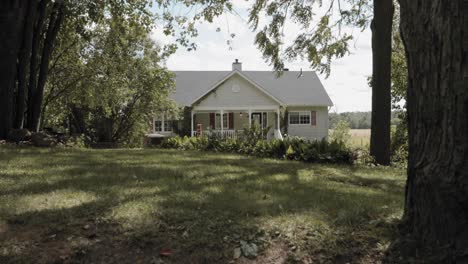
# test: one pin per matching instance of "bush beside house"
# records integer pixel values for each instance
(291, 148)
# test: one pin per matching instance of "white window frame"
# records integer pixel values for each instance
(299, 116)
(162, 118)
(170, 127)
(225, 117)
(154, 125)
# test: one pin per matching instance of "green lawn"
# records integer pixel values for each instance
(124, 206)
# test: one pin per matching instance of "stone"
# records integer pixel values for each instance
(249, 250)
(237, 253)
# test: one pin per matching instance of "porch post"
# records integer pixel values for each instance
(222, 122)
(278, 121)
(250, 118)
(191, 122)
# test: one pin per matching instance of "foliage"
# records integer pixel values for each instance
(292, 148)
(185, 122)
(109, 84)
(359, 120)
(76, 24)
(356, 120)
(400, 156)
(321, 38)
(254, 134)
(399, 68)
(182, 24)
(399, 146)
(77, 141)
(340, 132)
(364, 157)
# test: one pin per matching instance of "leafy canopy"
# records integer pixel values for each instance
(324, 29)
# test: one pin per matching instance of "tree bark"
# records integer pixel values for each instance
(435, 33)
(10, 32)
(24, 62)
(55, 22)
(381, 80)
(35, 50)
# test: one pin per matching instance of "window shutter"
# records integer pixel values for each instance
(231, 120)
(212, 120)
(313, 118)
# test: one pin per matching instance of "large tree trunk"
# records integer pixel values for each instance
(435, 33)
(24, 62)
(55, 22)
(381, 80)
(10, 33)
(33, 68)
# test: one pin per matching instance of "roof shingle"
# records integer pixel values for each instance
(292, 88)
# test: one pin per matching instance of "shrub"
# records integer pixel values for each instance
(340, 132)
(290, 153)
(76, 141)
(254, 134)
(399, 144)
(364, 157)
(292, 148)
(400, 155)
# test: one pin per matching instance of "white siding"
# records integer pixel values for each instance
(272, 120)
(240, 122)
(247, 96)
(308, 131)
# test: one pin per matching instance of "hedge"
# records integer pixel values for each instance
(291, 148)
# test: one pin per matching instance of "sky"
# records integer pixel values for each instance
(346, 85)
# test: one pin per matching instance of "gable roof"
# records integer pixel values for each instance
(245, 78)
(289, 89)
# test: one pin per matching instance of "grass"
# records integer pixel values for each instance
(123, 205)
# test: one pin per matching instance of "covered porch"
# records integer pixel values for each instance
(230, 122)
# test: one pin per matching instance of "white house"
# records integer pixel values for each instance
(228, 102)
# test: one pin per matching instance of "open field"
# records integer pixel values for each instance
(360, 137)
(125, 206)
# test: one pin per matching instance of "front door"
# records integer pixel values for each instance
(259, 119)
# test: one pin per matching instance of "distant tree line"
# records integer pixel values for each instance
(359, 120)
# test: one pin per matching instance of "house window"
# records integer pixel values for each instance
(161, 124)
(299, 118)
(225, 121)
(157, 126)
(168, 125)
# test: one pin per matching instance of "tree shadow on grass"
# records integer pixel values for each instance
(197, 204)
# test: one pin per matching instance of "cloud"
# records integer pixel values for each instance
(347, 84)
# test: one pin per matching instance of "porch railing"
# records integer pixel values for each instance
(226, 133)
